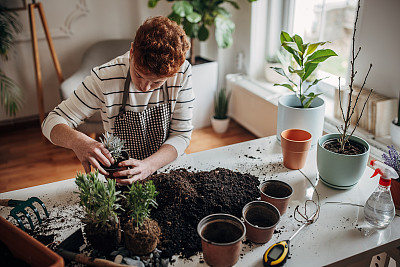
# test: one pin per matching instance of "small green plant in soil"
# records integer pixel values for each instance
(141, 199)
(141, 233)
(307, 56)
(221, 102)
(99, 201)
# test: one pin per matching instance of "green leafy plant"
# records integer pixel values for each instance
(140, 201)
(307, 57)
(221, 103)
(10, 91)
(196, 16)
(98, 199)
(114, 145)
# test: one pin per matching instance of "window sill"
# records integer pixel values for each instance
(272, 93)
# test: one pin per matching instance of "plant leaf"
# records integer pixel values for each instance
(320, 56)
(193, 17)
(182, 8)
(308, 70)
(313, 46)
(203, 33)
(288, 86)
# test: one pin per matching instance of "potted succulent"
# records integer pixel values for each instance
(304, 110)
(392, 159)
(116, 147)
(395, 128)
(220, 120)
(342, 157)
(141, 233)
(99, 200)
(11, 92)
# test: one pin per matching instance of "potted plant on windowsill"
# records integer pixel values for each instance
(342, 157)
(220, 120)
(99, 200)
(395, 128)
(304, 109)
(141, 233)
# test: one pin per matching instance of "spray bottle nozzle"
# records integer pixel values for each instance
(376, 172)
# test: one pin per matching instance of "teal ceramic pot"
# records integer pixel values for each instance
(337, 170)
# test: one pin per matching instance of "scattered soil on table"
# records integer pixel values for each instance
(351, 147)
(187, 197)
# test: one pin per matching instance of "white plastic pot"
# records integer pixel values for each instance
(395, 134)
(220, 126)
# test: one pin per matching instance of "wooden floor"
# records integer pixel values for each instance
(28, 159)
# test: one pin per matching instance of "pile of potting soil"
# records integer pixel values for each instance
(186, 197)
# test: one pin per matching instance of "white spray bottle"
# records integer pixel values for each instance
(379, 209)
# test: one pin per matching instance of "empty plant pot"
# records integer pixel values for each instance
(260, 219)
(295, 145)
(221, 239)
(277, 193)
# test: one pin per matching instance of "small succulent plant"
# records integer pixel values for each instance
(99, 199)
(141, 199)
(114, 145)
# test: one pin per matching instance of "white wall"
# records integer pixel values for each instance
(74, 26)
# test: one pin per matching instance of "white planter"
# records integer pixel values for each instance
(395, 134)
(220, 126)
(204, 82)
(308, 119)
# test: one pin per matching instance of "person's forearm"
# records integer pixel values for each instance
(65, 136)
(166, 154)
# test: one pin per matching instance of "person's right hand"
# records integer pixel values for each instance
(90, 152)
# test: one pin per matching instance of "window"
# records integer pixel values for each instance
(327, 20)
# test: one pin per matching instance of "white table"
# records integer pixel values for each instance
(340, 236)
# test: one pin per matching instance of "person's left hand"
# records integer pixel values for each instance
(135, 170)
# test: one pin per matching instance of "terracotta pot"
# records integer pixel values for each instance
(26, 248)
(277, 193)
(292, 116)
(260, 219)
(295, 145)
(221, 239)
(395, 191)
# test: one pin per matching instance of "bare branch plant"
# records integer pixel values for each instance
(352, 103)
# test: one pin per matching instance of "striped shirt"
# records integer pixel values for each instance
(103, 90)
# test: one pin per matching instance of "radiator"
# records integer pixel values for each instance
(252, 106)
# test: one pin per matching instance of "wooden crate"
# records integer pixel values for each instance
(378, 112)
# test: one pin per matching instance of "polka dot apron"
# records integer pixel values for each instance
(143, 132)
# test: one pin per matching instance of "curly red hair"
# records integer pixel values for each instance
(160, 47)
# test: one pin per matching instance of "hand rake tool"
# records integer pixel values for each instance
(19, 207)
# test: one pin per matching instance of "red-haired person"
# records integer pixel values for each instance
(145, 97)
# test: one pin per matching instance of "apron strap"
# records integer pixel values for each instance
(126, 93)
